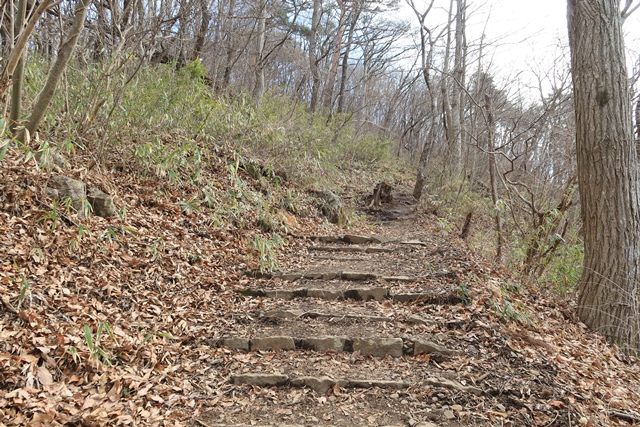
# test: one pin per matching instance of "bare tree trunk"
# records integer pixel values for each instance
(64, 54)
(638, 118)
(182, 32)
(447, 112)
(421, 177)
(226, 31)
(313, 52)
(16, 89)
(355, 14)
(261, 27)
(205, 20)
(335, 58)
(19, 47)
(491, 131)
(426, 58)
(457, 105)
(608, 172)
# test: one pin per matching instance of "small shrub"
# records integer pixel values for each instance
(565, 269)
(265, 248)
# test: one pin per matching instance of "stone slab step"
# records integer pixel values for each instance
(352, 276)
(366, 346)
(318, 384)
(351, 239)
(359, 294)
(279, 314)
(352, 249)
(322, 384)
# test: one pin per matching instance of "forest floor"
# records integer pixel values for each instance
(160, 319)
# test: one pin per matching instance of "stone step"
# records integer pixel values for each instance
(431, 390)
(352, 249)
(322, 384)
(318, 384)
(280, 314)
(376, 346)
(351, 239)
(352, 276)
(379, 293)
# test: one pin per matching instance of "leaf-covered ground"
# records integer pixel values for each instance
(114, 322)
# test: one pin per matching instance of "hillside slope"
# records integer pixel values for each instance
(145, 318)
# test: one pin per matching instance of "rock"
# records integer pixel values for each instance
(321, 275)
(357, 276)
(273, 343)
(367, 294)
(377, 383)
(375, 250)
(421, 346)
(331, 206)
(414, 243)
(101, 203)
(378, 347)
(290, 277)
(324, 343)
(72, 189)
(427, 424)
(453, 385)
(283, 314)
(457, 408)
(406, 279)
(262, 380)
(419, 320)
(248, 292)
(325, 294)
(410, 297)
(449, 415)
(359, 240)
(235, 343)
(318, 384)
(285, 294)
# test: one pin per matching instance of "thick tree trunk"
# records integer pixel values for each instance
(608, 172)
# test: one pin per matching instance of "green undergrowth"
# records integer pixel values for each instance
(451, 201)
(169, 120)
(211, 156)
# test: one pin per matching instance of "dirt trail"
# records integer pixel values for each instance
(358, 330)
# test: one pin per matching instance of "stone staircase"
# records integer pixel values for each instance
(348, 340)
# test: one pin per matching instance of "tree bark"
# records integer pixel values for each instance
(203, 29)
(313, 53)
(229, 47)
(335, 57)
(19, 47)
(457, 105)
(16, 89)
(355, 15)
(261, 26)
(608, 172)
(493, 184)
(64, 54)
